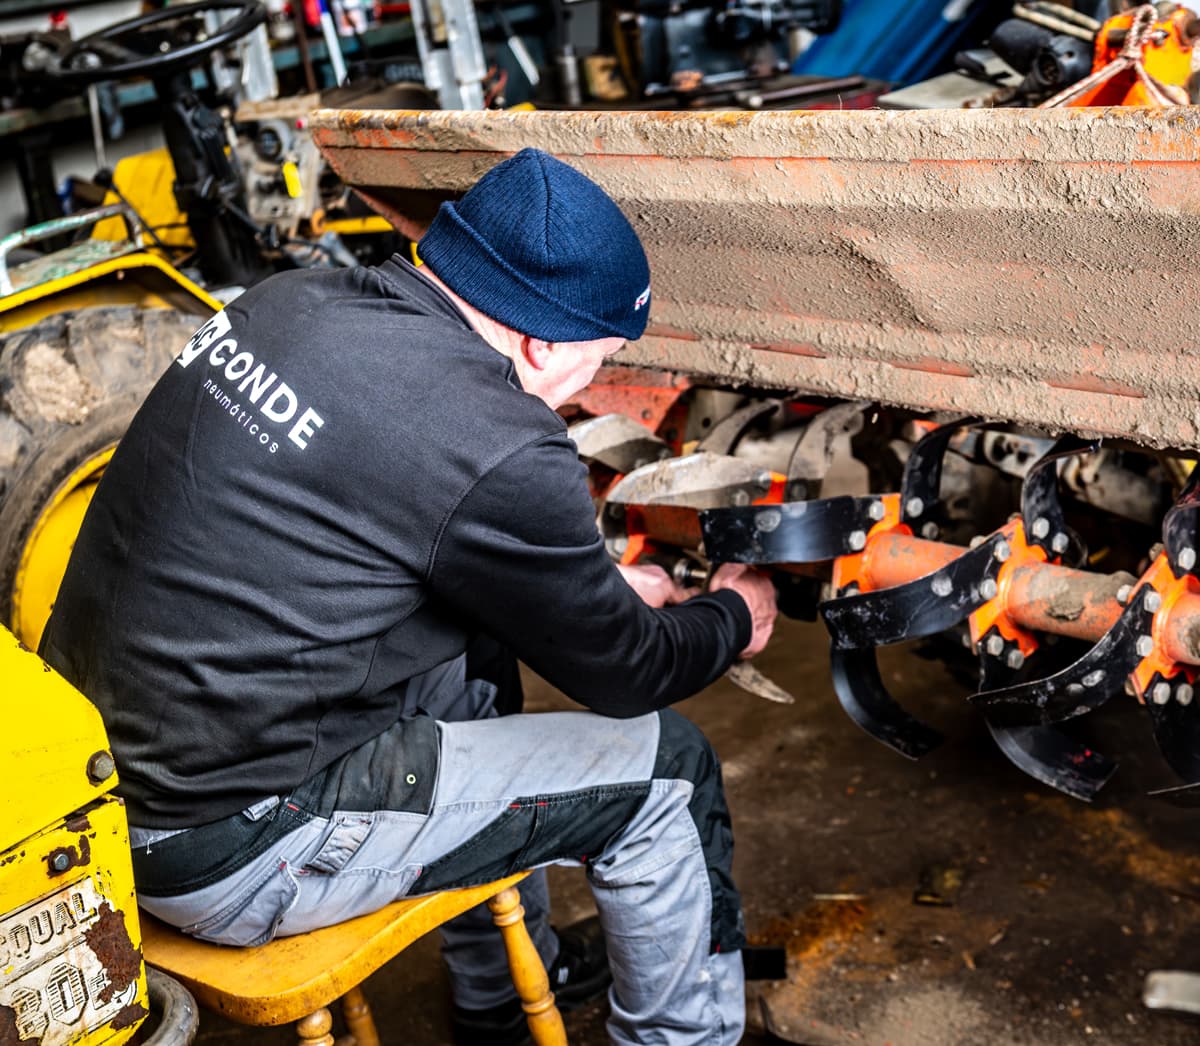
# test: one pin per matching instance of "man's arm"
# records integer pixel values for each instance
(522, 557)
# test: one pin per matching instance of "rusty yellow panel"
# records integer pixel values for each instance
(71, 967)
(52, 735)
(147, 181)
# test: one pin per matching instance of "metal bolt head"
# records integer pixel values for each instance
(1161, 693)
(1015, 659)
(976, 541)
(988, 588)
(876, 511)
(1184, 693)
(995, 645)
(1145, 646)
(739, 498)
(1187, 558)
(1123, 594)
(763, 479)
(1002, 552)
(1060, 543)
(1041, 527)
(1152, 601)
(914, 506)
(857, 540)
(929, 530)
(769, 520)
(100, 767)
(942, 585)
(60, 862)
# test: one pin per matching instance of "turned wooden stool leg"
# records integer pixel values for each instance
(359, 1020)
(528, 970)
(314, 1029)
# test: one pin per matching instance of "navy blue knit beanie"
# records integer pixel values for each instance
(541, 248)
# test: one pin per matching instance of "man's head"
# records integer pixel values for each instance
(540, 249)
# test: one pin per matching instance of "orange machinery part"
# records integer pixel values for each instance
(1045, 597)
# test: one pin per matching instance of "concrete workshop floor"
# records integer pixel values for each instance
(1062, 910)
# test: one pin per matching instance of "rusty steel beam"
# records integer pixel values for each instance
(1030, 266)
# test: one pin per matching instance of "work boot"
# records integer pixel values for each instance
(577, 976)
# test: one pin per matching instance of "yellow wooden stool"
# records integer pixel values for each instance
(296, 978)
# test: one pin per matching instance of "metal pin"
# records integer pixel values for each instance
(1184, 693)
(942, 585)
(914, 506)
(1152, 601)
(1187, 558)
(876, 511)
(1041, 527)
(1161, 693)
(988, 588)
(857, 540)
(1060, 543)
(1015, 659)
(995, 645)
(1145, 646)
(1002, 552)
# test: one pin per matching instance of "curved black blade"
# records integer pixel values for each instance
(1181, 528)
(794, 532)
(922, 607)
(724, 435)
(1081, 687)
(860, 690)
(1041, 512)
(923, 473)
(1045, 754)
(1175, 718)
(1049, 756)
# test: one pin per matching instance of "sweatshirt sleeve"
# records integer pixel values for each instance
(521, 556)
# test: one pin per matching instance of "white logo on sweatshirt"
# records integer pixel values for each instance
(280, 403)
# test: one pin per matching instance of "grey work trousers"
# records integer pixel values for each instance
(637, 802)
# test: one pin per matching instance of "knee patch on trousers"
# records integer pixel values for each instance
(685, 754)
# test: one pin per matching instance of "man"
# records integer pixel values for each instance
(298, 591)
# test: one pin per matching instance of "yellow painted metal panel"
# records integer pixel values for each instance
(50, 733)
(147, 181)
(71, 970)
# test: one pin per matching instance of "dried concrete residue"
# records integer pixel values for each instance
(934, 1017)
(53, 388)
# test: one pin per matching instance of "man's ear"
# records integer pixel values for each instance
(536, 352)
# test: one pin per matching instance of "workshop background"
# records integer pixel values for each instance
(941, 389)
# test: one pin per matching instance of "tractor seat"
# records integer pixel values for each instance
(296, 978)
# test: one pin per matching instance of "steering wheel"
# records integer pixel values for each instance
(164, 41)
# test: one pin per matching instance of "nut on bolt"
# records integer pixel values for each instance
(1161, 693)
(988, 588)
(1015, 659)
(995, 645)
(1041, 527)
(857, 540)
(1187, 558)
(914, 506)
(100, 767)
(1145, 646)
(1123, 594)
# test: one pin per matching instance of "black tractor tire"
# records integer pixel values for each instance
(69, 386)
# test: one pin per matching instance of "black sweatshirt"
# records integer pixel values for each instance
(332, 488)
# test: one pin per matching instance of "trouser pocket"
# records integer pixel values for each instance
(253, 916)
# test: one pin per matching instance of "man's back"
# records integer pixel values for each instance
(247, 596)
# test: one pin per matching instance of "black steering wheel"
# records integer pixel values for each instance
(154, 44)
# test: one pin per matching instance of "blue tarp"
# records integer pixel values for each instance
(897, 42)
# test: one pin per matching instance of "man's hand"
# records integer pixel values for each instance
(655, 585)
(759, 594)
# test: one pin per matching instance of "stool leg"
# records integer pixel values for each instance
(313, 1030)
(528, 970)
(359, 1018)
